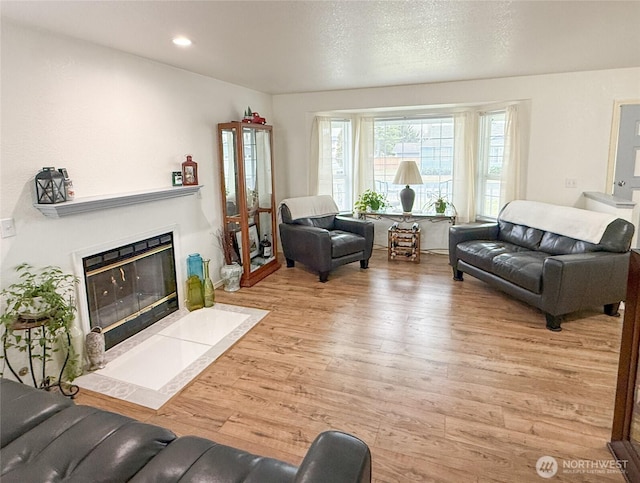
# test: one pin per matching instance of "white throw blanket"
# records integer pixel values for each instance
(311, 206)
(564, 220)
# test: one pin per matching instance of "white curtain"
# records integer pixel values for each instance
(320, 162)
(465, 128)
(510, 182)
(362, 155)
(321, 168)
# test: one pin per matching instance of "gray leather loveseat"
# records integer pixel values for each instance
(557, 258)
(47, 438)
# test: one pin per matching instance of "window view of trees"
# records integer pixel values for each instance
(428, 142)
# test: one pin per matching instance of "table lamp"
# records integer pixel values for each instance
(408, 173)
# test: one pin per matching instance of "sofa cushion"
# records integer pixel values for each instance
(81, 443)
(523, 268)
(520, 235)
(196, 459)
(325, 222)
(480, 253)
(344, 243)
(563, 245)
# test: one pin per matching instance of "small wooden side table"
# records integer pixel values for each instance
(404, 243)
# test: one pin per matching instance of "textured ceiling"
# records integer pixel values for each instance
(300, 46)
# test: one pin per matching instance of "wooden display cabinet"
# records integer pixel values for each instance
(248, 201)
(625, 434)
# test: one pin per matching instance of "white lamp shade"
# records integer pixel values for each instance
(408, 173)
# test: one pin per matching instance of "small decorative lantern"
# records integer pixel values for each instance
(189, 172)
(50, 186)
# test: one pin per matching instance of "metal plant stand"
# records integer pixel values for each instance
(31, 328)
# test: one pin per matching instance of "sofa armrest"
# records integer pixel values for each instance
(360, 227)
(336, 457)
(462, 233)
(308, 245)
(572, 282)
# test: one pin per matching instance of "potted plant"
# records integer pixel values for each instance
(41, 298)
(371, 201)
(440, 204)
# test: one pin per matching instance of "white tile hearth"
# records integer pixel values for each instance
(153, 365)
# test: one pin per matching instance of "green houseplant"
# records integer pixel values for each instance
(440, 204)
(41, 298)
(371, 201)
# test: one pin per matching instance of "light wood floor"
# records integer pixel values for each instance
(445, 381)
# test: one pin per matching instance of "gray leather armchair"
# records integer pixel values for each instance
(324, 241)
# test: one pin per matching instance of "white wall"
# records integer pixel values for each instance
(568, 134)
(118, 123)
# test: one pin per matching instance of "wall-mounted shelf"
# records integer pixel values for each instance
(96, 203)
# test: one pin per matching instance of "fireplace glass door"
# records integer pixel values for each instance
(131, 287)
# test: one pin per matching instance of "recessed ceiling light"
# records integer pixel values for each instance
(182, 41)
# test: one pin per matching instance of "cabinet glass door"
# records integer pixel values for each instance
(230, 173)
(257, 171)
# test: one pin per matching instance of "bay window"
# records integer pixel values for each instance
(470, 158)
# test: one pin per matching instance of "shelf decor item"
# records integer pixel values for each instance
(50, 186)
(69, 190)
(189, 172)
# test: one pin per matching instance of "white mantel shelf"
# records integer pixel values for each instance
(96, 203)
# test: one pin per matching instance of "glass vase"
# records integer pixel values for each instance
(195, 299)
(194, 266)
(209, 292)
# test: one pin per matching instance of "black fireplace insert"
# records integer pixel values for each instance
(131, 287)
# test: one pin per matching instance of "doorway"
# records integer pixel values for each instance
(625, 145)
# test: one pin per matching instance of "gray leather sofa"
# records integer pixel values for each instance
(45, 437)
(557, 273)
(323, 241)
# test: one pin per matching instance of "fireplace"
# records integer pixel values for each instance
(131, 287)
